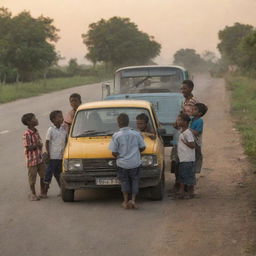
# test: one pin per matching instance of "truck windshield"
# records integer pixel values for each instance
(103, 122)
(148, 81)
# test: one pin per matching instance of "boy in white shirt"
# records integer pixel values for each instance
(56, 138)
(186, 154)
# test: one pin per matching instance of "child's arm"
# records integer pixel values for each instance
(189, 140)
(141, 143)
(47, 147)
(189, 144)
(195, 132)
(115, 154)
(47, 142)
(113, 146)
(28, 143)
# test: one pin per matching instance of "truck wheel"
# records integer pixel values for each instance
(67, 195)
(157, 193)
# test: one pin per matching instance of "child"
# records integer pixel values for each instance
(142, 123)
(75, 101)
(186, 154)
(55, 144)
(196, 126)
(126, 146)
(186, 89)
(33, 151)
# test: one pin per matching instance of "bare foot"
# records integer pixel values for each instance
(125, 205)
(43, 196)
(33, 197)
(132, 205)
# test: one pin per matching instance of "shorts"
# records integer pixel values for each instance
(187, 173)
(54, 168)
(129, 179)
(33, 171)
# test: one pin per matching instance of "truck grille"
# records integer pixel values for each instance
(99, 165)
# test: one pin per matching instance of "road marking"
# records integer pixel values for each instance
(4, 132)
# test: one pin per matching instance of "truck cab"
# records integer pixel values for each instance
(159, 85)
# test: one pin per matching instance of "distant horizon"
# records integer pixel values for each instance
(187, 24)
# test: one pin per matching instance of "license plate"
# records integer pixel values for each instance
(107, 181)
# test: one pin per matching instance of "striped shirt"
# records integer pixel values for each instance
(31, 138)
(188, 104)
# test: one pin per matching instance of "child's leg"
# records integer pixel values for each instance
(57, 170)
(41, 173)
(135, 177)
(48, 175)
(191, 191)
(182, 189)
(32, 173)
(125, 187)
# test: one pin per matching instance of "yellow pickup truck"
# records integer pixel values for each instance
(88, 163)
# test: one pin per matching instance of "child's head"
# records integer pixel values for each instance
(123, 120)
(199, 110)
(56, 117)
(183, 120)
(187, 87)
(75, 100)
(142, 122)
(29, 120)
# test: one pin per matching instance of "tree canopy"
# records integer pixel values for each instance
(238, 46)
(26, 43)
(119, 42)
(230, 39)
(187, 58)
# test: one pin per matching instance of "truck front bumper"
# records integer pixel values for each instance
(149, 177)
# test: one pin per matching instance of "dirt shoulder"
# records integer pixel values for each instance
(220, 221)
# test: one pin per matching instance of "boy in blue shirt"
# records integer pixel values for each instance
(196, 126)
(126, 146)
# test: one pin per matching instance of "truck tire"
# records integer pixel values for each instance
(67, 195)
(157, 192)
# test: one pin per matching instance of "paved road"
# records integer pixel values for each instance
(96, 225)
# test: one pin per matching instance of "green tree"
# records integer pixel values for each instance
(230, 38)
(5, 24)
(73, 67)
(27, 43)
(188, 58)
(118, 41)
(247, 49)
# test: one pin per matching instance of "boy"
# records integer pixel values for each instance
(55, 144)
(186, 89)
(142, 123)
(126, 146)
(75, 101)
(33, 152)
(196, 126)
(186, 154)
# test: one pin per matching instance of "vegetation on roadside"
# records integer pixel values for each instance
(10, 92)
(243, 109)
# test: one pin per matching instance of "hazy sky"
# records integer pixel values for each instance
(175, 24)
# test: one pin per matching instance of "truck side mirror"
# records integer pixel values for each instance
(105, 90)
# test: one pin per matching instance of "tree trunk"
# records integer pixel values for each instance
(17, 77)
(4, 79)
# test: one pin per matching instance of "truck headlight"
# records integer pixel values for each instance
(148, 160)
(73, 165)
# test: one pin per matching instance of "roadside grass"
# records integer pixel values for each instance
(243, 109)
(10, 92)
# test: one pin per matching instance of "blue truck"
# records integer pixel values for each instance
(159, 85)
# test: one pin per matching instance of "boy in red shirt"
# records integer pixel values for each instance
(33, 152)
